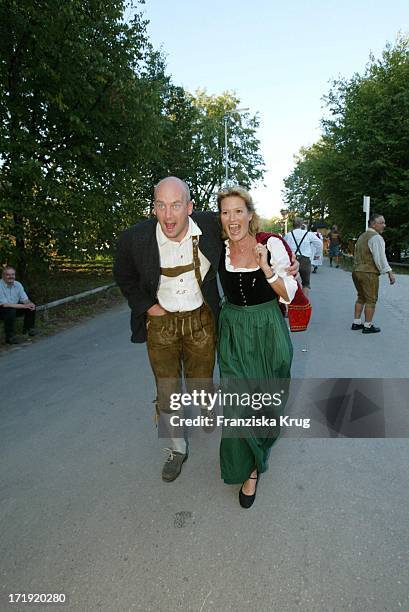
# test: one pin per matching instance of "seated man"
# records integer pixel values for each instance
(14, 303)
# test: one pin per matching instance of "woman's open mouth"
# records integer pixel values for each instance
(234, 229)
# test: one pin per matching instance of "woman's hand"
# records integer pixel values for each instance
(261, 253)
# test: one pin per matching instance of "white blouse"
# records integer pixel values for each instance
(279, 262)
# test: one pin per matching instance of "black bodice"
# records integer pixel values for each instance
(244, 288)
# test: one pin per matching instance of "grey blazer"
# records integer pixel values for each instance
(137, 267)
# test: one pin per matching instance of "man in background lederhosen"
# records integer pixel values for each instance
(303, 244)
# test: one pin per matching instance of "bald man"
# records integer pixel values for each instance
(166, 268)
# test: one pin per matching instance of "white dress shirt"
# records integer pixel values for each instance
(180, 293)
(12, 294)
(310, 245)
(376, 245)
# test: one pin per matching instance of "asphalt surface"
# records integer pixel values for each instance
(83, 510)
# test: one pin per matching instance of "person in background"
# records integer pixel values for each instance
(369, 262)
(316, 257)
(14, 302)
(334, 239)
(302, 242)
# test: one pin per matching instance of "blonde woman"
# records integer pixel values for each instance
(254, 345)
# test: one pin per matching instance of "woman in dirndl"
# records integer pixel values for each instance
(254, 346)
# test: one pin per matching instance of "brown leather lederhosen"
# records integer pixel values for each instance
(182, 341)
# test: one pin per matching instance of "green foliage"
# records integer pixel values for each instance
(246, 165)
(193, 146)
(302, 188)
(79, 119)
(274, 225)
(364, 150)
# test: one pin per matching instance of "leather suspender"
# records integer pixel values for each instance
(195, 265)
(196, 260)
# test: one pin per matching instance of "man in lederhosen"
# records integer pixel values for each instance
(303, 243)
(166, 268)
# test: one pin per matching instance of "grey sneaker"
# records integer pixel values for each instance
(173, 465)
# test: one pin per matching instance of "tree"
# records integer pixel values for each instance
(246, 165)
(274, 225)
(303, 192)
(90, 123)
(193, 146)
(364, 149)
(78, 121)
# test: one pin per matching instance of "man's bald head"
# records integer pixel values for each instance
(172, 207)
(175, 182)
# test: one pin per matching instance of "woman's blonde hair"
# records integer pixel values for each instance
(242, 193)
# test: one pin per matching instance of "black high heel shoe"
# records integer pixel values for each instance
(246, 501)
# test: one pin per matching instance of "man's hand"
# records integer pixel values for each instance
(392, 278)
(295, 266)
(156, 311)
(30, 306)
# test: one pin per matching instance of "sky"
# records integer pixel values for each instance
(278, 57)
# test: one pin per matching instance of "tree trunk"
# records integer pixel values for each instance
(21, 259)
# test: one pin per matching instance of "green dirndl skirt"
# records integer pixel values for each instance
(254, 350)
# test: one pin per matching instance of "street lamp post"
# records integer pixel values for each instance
(226, 151)
(226, 117)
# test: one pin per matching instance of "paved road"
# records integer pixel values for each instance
(83, 510)
(335, 350)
